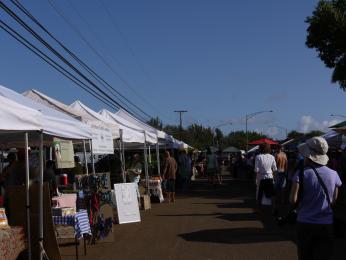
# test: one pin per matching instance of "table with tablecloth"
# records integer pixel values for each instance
(79, 221)
(65, 200)
(12, 242)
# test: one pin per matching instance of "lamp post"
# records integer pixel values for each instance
(249, 116)
(214, 128)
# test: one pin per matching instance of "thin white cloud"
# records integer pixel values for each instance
(308, 123)
(273, 132)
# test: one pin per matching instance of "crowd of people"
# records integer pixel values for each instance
(312, 186)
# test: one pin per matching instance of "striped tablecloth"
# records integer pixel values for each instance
(80, 221)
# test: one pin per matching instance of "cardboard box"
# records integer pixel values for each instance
(63, 211)
(145, 202)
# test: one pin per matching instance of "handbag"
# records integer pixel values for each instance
(292, 214)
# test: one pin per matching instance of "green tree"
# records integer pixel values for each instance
(156, 123)
(327, 34)
(294, 134)
(238, 139)
(314, 133)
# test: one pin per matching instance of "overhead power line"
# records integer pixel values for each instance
(104, 61)
(96, 76)
(51, 62)
(57, 54)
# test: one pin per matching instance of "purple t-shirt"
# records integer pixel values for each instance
(314, 208)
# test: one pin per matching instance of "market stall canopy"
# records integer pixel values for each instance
(231, 149)
(54, 123)
(334, 139)
(132, 133)
(263, 140)
(160, 134)
(85, 110)
(340, 127)
(102, 137)
(52, 103)
(253, 149)
(16, 117)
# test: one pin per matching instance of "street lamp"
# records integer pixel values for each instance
(214, 128)
(338, 115)
(249, 116)
(284, 128)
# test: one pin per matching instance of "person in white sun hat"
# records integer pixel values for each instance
(318, 189)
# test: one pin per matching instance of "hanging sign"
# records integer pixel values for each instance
(64, 153)
(102, 141)
(127, 203)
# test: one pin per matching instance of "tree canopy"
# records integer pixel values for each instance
(295, 134)
(327, 34)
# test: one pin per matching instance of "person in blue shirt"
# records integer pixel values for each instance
(315, 215)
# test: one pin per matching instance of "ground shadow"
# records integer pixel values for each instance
(245, 203)
(238, 236)
(229, 217)
(239, 217)
(188, 215)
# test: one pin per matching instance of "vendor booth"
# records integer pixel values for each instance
(53, 124)
(12, 238)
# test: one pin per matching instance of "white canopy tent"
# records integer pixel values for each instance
(88, 112)
(123, 114)
(18, 119)
(54, 123)
(149, 137)
(52, 103)
(131, 133)
(102, 137)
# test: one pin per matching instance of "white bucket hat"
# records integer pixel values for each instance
(315, 149)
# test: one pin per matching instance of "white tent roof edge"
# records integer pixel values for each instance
(53, 122)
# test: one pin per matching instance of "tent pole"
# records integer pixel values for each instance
(40, 238)
(85, 159)
(146, 162)
(2, 160)
(27, 191)
(50, 153)
(158, 159)
(122, 157)
(149, 152)
(92, 156)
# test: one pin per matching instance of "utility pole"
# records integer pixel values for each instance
(181, 118)
(181, 121)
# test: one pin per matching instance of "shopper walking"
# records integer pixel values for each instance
(318, 189)
(185, 170)
(281, 174)
(212, 166)
(169, 176)
(265, 166)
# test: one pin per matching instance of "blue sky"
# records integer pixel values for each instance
(220, 60)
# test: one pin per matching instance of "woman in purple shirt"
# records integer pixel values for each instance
(315, 216)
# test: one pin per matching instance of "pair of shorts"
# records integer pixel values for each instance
(170, 185)
(266, 187)
(280, 180)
